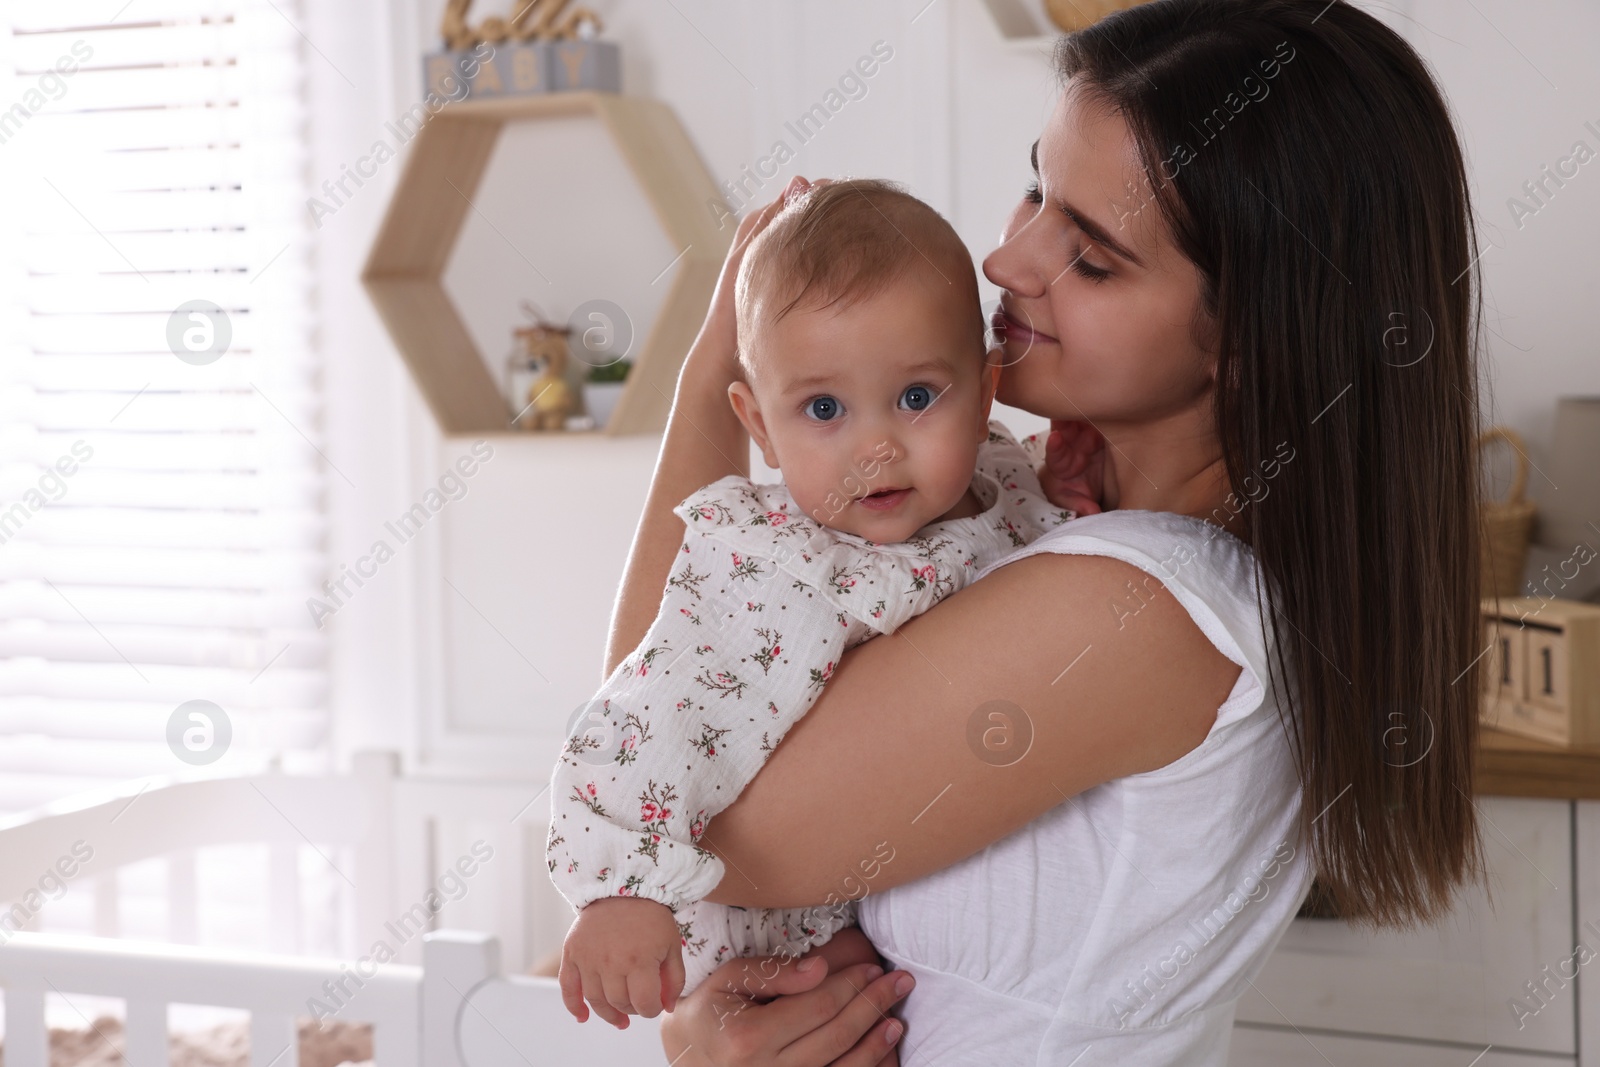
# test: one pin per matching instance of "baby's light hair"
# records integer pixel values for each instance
(843, 242)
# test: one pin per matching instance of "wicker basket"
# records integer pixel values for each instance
(1507, 524)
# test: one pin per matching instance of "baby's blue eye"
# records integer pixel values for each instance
(822, 408)
(917, 397)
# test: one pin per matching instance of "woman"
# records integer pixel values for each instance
(1081, 799)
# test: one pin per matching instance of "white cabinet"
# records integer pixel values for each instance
(1497, 973)
(1261, 1047)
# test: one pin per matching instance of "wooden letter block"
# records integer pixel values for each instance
(527, 68)
(444, 75)
(515, 70)
(593, 65)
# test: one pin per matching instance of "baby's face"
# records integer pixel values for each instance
(874, 414)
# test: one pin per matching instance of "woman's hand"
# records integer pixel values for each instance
(1073, 475)
(717, 333)
(767, 1012)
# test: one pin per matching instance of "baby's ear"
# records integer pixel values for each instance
(749, 413)
(988, 383)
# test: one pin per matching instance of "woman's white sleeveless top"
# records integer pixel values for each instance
(1121, 926)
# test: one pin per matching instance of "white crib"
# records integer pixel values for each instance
(444, 1000)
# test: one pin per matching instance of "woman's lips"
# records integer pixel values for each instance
(884, 500)
(1011, 328)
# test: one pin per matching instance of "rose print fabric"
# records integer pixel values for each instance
(756, 612)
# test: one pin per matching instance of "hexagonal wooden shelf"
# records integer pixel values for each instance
(1033, 22)
(404, 270)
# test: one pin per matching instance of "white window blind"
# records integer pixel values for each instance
(161, 519)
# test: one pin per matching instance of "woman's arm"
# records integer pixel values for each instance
(704, 441)
(896, 771)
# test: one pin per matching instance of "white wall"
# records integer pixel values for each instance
(482, 636)
(1523, 81)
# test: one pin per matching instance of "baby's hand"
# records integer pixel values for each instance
(624, 955)
(1073, 474)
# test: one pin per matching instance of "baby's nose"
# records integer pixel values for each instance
(877, 451)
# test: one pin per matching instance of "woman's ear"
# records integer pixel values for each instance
(749, 413)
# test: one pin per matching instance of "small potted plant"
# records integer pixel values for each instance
(602, 388)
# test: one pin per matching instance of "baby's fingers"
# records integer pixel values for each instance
(644, 990)
(572, 989)
(613, 1003)
(673, 978)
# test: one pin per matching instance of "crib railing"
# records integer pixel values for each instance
(395, 840)
(391, 838)
(456, 1010)
(149, 977)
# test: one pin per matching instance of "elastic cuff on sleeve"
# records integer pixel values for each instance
(672, 884)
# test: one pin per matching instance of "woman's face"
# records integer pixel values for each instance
(1097, 318)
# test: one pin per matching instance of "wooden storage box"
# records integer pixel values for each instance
(1541, 670)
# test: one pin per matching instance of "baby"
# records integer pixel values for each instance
(869, 388)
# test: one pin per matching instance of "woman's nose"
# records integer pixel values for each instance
(1009, 265)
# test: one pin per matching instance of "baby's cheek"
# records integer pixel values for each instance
(824, 504)
(952, 467)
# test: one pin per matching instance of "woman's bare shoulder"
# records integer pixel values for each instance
(1078, 632)
(1087, 595)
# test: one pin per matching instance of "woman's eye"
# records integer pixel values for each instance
(822, 408)
(1031, 193)
(1087, 270)
(917, 398)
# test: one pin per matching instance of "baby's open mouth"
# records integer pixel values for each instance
(883, 499)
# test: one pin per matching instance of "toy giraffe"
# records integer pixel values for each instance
(550, 399)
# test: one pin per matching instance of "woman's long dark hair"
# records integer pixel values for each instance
(1323, 197)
